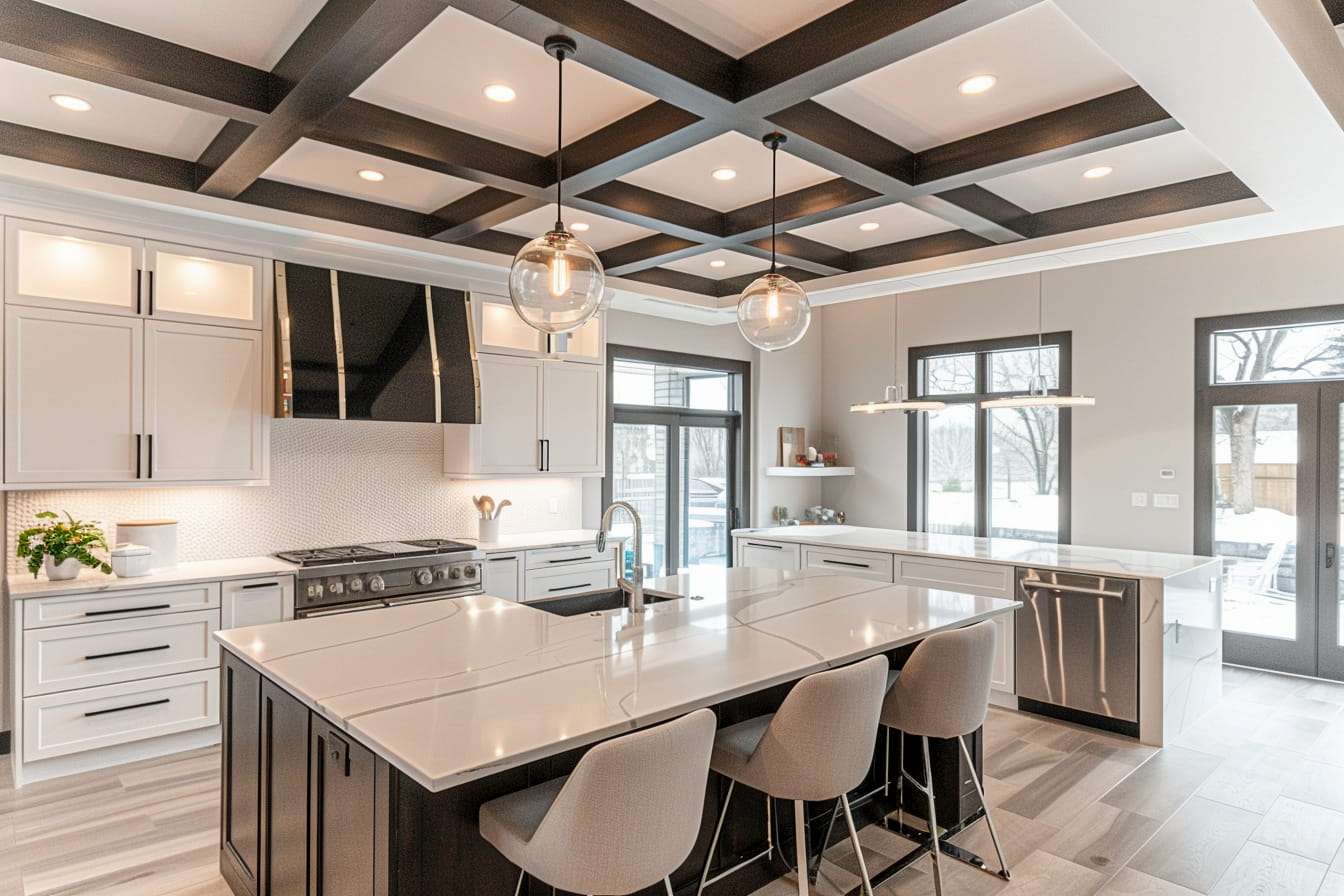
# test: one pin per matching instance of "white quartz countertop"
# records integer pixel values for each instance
(532, 540)
(454, 690)
(1015, 552)
(23, 585)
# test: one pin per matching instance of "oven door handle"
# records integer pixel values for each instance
(337, 610)
(422, 598)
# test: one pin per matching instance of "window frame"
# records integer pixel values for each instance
(736, 420)
(917, 433)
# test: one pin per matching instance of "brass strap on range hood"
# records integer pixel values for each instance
(284, 387)
(340, 342)
(434, 354)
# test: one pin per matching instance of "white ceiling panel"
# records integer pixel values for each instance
(1040, 58)
(687, 174)
(255, 32)
(602, 233)
(738, 26)
(735, 264)
(125, 119)
(441, 76)
(333, 169)
(894, 222)
(1154, 162)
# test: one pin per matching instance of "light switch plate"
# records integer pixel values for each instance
(1166, 501)
(1138, 499)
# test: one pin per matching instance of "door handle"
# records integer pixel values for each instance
(137, 455)
(1329, 554)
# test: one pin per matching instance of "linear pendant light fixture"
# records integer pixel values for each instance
(1038, 396)
(556, 282)
(900, 402)
(774, 312)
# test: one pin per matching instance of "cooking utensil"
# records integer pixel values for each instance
(502, 504)
(485, 504)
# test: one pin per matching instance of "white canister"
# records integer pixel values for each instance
(489, 530)
(160, 536)
(131, 560)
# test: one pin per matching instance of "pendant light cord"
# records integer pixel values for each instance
(774, 170)
(559, 139)
(1040, 329)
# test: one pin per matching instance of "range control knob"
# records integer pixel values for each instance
(455, 572)
(423, 576)
(376, 583)
(469, 571)
(441, 574)
(356, 584)
(336, 587)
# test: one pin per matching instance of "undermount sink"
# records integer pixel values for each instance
(590, 602)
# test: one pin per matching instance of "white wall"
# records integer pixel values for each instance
(1133, 348)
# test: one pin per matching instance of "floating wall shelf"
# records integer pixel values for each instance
(809, 471)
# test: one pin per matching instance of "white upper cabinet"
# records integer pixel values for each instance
(587, 344)
(73, 393)
(204, 402)
(54, 266)
(572, 423)
(203, 286)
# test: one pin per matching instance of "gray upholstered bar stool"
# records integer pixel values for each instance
(624, 819)
(943, 691)
(816, 747)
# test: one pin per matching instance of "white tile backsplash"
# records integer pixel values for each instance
(332, 482)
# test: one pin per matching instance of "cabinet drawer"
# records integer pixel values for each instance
(557, 558)
(988, 579)
(863, 564)
(65, 657)
(768, 554)
(571, 580)
(39, 612)
(256, 601)
(60, 724)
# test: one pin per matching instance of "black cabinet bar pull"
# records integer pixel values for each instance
(103, 656)
(139, 274)
(149, 467)
(570, 587)
(103, 712)
(137, 455)
(541, 455)
(846, 563)
(261, 585)
(773, 547)
(570, 559)
(128, 610)
(501, 559)
(150, 276)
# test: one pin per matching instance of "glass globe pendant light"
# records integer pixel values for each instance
(556, 281)
(773, 313)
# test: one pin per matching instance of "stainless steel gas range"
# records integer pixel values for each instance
(383, 574)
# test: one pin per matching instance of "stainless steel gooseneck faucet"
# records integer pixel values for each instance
(634, 586)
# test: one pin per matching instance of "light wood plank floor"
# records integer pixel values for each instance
(1250, 802)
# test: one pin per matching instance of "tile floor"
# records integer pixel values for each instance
(1250, 802)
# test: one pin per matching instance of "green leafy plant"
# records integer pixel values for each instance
(61, 540)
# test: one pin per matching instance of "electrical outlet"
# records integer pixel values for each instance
(1166, 473)
(1138, 499)
(553, 505)
(1166, 501)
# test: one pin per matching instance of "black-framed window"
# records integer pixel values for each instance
(1003, 472)
(677, 449)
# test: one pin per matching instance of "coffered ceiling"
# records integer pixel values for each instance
(282, 103)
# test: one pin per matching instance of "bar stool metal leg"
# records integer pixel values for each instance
(858, 848)
(989, 819)
(800, 837)
(933, 821)
(519, 888)
(667, 882)
(705, 879)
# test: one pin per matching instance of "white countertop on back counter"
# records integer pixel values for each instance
(454, 690)
(526, 541)
(1015, 552)
(23, 585)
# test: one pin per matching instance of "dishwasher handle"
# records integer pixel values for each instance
(1072, 589)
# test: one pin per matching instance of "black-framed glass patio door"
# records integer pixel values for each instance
(1330, 592)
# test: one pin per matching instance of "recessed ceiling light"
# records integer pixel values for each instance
(71, 103)
(869, 226)
(1099, 171)
(977, 84)
(717, 263)
(370, 174)
(724, 173)
(578, 226)
(500, 93)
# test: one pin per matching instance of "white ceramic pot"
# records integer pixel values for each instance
(63, 571)
(489, 529)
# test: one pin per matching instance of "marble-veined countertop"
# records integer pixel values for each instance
(89, 581)
(453, 690)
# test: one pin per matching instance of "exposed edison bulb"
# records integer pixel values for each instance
(559, 275)
(772, 303)
(773, 312)
(556, 283)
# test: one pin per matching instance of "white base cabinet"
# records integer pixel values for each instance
(502, 575)
(537, 573)
(256, 601)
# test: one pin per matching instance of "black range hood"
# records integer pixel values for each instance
(356, 347)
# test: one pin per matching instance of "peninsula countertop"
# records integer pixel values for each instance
(1007, 551)
(454, 690)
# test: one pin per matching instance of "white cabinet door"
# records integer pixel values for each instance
(202, 285)
(54, 266)
(73, 396)
(256, 601)
(1003, 679)
(502, 574)
(510, 427)
(768, 554)
(543, 583)
(587, 344)
(204, 402)
(500, 331)
(572, 418)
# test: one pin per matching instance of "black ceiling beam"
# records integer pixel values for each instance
(661, 246)
(345, 43)
(1335, 10)
(53, 148)
(56, 40)
(801, 252)
(1178, 197)
(918, 248)
(479, 211)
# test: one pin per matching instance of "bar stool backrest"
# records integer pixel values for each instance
(629, 814)
(820, 742)
(943, 689)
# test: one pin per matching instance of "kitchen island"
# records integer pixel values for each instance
(1129, 641)
(357, 748)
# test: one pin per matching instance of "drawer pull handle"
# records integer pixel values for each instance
(260, 585)
(103, 712)
(847, 563)
(569, 587)
(507, 559)
(570, 559)
(103, 656)
(144, 609)
(773, 547)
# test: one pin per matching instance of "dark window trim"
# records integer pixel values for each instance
(1207, 327)
(737, 421)
(917, 435)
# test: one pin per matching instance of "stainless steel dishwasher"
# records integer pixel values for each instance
(1077, 648)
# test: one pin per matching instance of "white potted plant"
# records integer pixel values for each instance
(62, 547)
